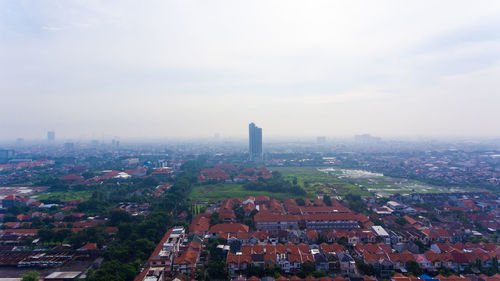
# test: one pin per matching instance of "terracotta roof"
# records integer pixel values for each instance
(89, 247)
(268, 216)
(262, 198)
(72, 177)
(331, 217)
(189, 256)
(229, 228)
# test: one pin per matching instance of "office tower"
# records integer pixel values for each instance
(51, 136)
(255, 142)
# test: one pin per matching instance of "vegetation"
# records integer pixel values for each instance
(137, 236)
(356, 203)
(414, 268)
(316, 182)
(218, 192)
(276, 184)
(31, 276)
(400, 221)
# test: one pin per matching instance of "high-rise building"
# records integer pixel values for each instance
(255, 142)
(51, 136)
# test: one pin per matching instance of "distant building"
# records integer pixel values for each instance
(51, 136)
(366, 138)
(320, 140)
(69, 146)
(255, 142)
(5, 155)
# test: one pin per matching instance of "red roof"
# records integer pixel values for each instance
(72, 177)
(89, 247)
(331, 217)
(267, 216)
(189, 256)
(229, 228)
(10, 197)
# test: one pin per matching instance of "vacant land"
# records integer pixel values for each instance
(317, 182)
(383, 185)
(216, 192)
(322, 181)
(64, 195)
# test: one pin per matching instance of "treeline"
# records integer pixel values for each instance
(275, 184)
(75, 239)
(137, 236)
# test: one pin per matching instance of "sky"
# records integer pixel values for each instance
(160, 69)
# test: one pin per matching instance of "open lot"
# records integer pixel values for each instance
(320, 181)
(317, 182)
(20, 190)
(383, 185)
(64, 195)
(216, 192)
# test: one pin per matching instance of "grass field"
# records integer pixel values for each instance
(64, 195)
(316, 183)
(223, 191)
(319, 183)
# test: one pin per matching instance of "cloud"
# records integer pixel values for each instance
(298, 67)
(52, 28)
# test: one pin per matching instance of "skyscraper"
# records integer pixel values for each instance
(255, 142)
(51, 136)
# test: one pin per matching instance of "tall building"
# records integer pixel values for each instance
(255, 142)
(51, 136)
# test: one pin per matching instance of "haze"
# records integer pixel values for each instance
(295, 68)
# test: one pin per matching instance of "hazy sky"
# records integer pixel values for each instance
(295, 68)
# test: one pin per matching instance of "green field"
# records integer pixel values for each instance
(319, 183)
(216, 192)
(64, 195)
(315, 183)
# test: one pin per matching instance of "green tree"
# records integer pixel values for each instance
(414, 268)
(327, 200)
(214, 218)
(400, 220)
(217, 269)
(300, 201)
(31, 276)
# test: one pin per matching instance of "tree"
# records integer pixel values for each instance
(356, 203)
(414, 268)
(494, 266)
(217, 269)
(214, 218)
(300, 201)
(239, 213)
(31, 276)
(400, 220)
(307, 269)
(367, 269)
(327, 200)
(119, 216)
(200, 273)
